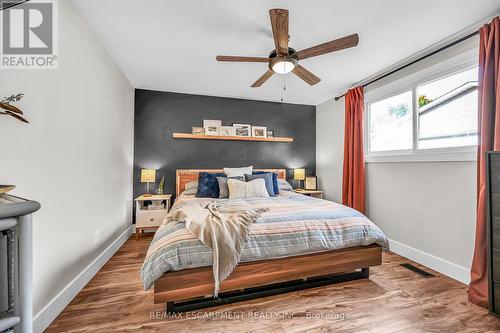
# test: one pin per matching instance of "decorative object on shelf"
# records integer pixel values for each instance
(227, 130)
(7, 109)
(310, 183)
(159, 190)
(212, 127)
(229, 138)
(6, 188)
(299, 174)
(259, 132)
(198, 130)
(242, 130)
(148, 176)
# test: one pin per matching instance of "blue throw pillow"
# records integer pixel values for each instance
(208, 187)
(275, 180)
(268, 179)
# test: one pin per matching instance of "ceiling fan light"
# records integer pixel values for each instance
(283, 66)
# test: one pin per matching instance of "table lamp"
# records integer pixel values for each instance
(299, 174)
(148, 176)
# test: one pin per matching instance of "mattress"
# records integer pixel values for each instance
(295, 224)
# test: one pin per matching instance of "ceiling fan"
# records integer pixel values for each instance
(284, 59)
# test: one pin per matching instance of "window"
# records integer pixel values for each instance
(438, 114)
(390, 123)
(447, 110)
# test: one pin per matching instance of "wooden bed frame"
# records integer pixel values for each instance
(191, 289)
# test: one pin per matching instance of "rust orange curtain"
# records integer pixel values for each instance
(353, 180)
(489, 139)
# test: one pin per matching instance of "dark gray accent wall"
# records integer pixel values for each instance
(159, 114)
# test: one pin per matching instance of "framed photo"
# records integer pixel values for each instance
(270, 133)
(212, 127)
(310, 183)
(242, 130)
(198, 130)
(227, 130)
(259, 131)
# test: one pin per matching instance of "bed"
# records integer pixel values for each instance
(300, 242)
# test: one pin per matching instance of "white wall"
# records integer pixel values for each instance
(429, 207)
(75, 157)
(426, 209)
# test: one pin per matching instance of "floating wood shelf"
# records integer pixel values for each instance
(223, 137)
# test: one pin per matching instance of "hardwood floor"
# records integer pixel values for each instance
(394, 299)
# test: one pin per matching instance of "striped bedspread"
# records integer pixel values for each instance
(294, 225)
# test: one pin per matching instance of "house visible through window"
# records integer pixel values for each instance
(447, 110)
(437, 114)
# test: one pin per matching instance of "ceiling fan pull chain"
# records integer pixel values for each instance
(284, 88)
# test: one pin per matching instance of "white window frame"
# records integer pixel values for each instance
(411, 82)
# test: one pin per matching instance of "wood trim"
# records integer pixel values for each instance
(184, 176)
(198, 282)
(230, 138)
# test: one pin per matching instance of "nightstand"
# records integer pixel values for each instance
(312, 193)
(148, 218)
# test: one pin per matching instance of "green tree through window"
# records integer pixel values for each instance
(399, 110)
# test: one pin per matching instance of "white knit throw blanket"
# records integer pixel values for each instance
(220, 225)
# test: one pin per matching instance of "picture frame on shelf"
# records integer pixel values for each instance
(270, 133)
(226, 131)
(259, 131)
(212, 127)
(310, 183)
(242, 130)
(197, 131)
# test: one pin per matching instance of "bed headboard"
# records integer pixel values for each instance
(182, 176)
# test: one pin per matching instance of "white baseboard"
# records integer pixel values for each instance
(442, 266)
(43, 318)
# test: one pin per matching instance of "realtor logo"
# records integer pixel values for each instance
(28, 35)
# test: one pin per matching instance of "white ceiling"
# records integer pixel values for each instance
(171, 45)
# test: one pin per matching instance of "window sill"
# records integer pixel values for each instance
(435, 156)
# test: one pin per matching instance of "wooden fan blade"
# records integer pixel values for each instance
(9, 107)
(305, 75)
(241, 59)
(279, 23)
(263, 79)
(334, 45)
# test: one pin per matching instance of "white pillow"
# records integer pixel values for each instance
(283, 185)
(191, 188)
(252, 189)
(238, 172)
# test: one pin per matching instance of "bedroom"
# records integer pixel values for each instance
(154, 184)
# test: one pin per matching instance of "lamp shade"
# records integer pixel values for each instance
(299, 174)
(148, 176)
